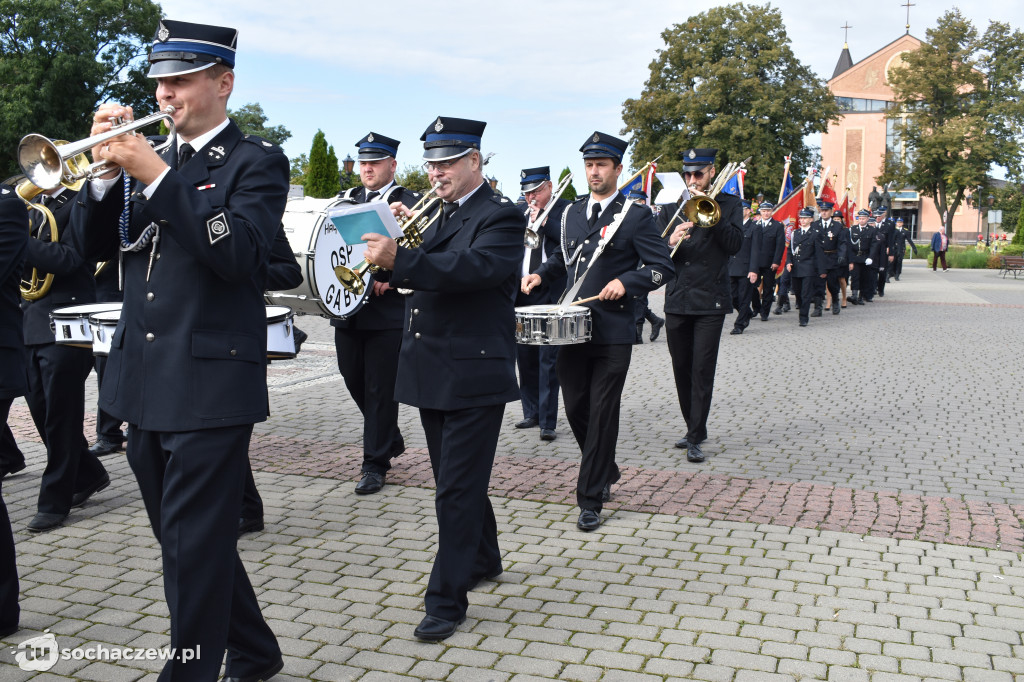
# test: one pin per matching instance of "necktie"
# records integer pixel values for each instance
(595, 211)
(371, 196)
(185, 152)
(449, 208)
(536, 256)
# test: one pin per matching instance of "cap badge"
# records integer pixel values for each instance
(597, 138)
(369, 138)
(523, 174)
(163, 34)
(438, 127)
(693, 154)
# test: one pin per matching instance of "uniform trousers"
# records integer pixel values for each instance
(108, 427)
(9, 588)
(883, 274)
(741, 290)
(56, 399)
(767, 279)
(830, 282)
(461, 444)
(805, 289)
(11, 456)
(897, 262)
(693, 345)
(863, 279)
(538, 383)
(252, 503)
(592, 377)
(785, 280)
(368, 361)
(191, 484)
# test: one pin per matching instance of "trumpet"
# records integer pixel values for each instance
(532, 239)
(48, 163)
(413, 228)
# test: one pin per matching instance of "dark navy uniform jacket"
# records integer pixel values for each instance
(772, 243)
(701, 283)
(458, 341)
(745, 261)
(888, 228)
(283, 271)
(73, 282)
(13, 246)
(190, 349)
(550, 233)
(860, 241)
(832, 238)
(636, 240)
(388, 310)
(805, 253)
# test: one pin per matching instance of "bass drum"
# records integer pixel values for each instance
(307, 227)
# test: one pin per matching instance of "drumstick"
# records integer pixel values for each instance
(586, 300)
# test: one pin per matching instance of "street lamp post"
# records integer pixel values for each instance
(347, 164)
(988, 226)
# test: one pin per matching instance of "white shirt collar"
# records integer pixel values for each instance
(200, 141)
(461, 200)
(383, 190)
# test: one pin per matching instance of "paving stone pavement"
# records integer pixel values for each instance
(860, 519)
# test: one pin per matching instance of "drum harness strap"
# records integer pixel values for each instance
(609, 232)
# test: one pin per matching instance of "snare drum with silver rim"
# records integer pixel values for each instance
(280, 333)
(103, 325)
(552, 325)
(70, 324)
(307, 226)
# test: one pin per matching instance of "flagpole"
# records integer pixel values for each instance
(638, 173)
(785, 176)
(824, 179)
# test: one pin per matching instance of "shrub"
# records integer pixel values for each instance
(1012, 250)
(966, 258)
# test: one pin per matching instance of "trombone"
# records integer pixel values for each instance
(413, 228)
(48, 163)
(701, 209)
(532, 239)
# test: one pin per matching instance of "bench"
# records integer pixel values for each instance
(1011, 265)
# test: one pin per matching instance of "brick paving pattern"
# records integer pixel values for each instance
(860, 518)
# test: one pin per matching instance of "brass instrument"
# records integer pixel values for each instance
(532, 239)
(49, 163)
(701, 209)
(37, 285)
(413, 228)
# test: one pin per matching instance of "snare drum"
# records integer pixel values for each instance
(307, 226)
(70, 325)
(103, 325)
(280, 339)
(552, 325)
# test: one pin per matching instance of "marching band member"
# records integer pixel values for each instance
(368, 342)
(806, 264)
(862, 275)
(698, 298)
(13, 245)
(593, 374)
(457, 362)
(832, 239)
(771, 245)
(743, 271)
(187, 364)
(538, 381)
(56, 372)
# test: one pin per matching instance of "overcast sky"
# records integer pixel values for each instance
(544, 75)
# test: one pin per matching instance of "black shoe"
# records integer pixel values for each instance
(43, 521)
(300, 337)
(694, 453)
(803, 323)
(869, 300)
(547, 434)
(527, 423)
(79, 498)
(835, 308)
(897, 278)
(736, 330)
(249, 525)
(589, 520)
(258, 677)
(11, 469)
(105, 447)
(778, 310)
(764, 317)
(434, 629)
(682, 444)
(817, 312)
(370, 483)
(881, 294)
(785, 307)
(606, 493)
(656, 326)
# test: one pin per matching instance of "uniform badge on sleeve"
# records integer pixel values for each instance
(217, 228)
(655, 276)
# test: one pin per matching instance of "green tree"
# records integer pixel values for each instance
(321, 177)
(60, 59)
(252, 121)
(727, 78)
(570, 191)
(300, 166)
(958, 110)
(413, 177)
(1018, 236)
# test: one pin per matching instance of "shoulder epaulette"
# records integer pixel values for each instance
(265, 145)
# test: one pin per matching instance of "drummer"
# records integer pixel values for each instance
(593, 374)
(57, 372)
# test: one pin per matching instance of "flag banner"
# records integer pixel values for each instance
(735, 185)
(786, 213)
(672, 188)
